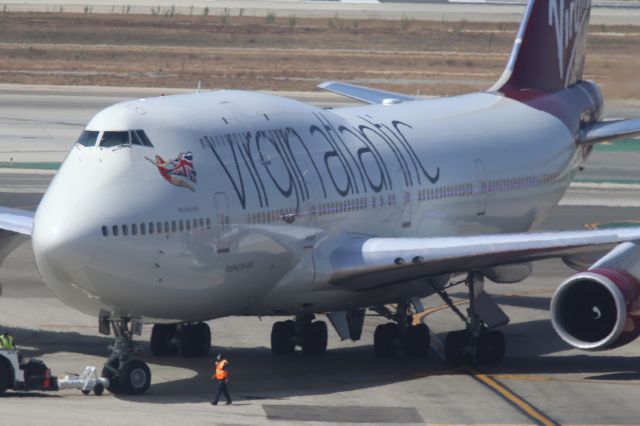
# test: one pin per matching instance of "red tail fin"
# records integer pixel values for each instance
(549, 52)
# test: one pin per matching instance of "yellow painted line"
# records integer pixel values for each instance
(514, 399)
(528, 378)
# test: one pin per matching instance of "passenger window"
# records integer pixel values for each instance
(166, 227)
(208, 223)
(88, 138)
(143, 229)
(194, 224)
(188, 222)
(174, 226)
(134, 229)
(181, 225)
(151, 227)
(114, 230)
(110, 139)
(125, 230)
(201, 221)
(105, 231)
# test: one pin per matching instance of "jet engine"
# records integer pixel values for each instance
(600, 308)
(597, 309)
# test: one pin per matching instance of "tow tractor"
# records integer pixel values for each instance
(34, 375)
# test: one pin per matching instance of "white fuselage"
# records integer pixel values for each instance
(277, 179)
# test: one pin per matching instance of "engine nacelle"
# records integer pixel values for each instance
(598, 309)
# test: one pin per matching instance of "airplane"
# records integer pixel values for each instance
(180, 209)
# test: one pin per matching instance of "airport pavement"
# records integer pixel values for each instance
(542, 381)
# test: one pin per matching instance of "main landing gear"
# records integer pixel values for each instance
(185, 339)
(310, 335)
(476, 344)
(127, 375)
(400, 336)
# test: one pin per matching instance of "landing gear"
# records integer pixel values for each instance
(186, 339)
(310, 335)
(402, 336)
(126, 375)
(476, 344)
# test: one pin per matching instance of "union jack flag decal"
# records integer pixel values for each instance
(179, 172)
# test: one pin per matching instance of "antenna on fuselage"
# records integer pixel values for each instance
(199, 86)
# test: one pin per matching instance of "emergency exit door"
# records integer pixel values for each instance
(481, 187)
(222, 222)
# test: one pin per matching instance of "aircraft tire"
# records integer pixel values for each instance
(161, 336)
(385, 340)
(282, 334)
(109, 373)
(416, 341)
(313, 338)
(134, 377)
(204, 338)
(190, 340)
(455, 346)
(5, 376)
(490, 348)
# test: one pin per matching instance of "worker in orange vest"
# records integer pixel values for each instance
(221, 376)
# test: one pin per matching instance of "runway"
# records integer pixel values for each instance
(347, 385)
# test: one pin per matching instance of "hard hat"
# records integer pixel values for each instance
(219, 357)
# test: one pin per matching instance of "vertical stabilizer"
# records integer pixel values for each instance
(549, 52)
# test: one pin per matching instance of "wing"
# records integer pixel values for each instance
(365, 94)
(15, 227)
(361, 263)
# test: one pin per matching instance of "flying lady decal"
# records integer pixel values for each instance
(179, 172)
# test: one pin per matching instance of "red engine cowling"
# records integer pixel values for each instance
(598, 309)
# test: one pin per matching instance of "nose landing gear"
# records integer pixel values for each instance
(127, 375)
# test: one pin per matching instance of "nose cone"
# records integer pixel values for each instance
(64, 239)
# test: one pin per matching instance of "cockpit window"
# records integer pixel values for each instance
(133, 137)
(110, 139)
(141, 137)
(88, 138)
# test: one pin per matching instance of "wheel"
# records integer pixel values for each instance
(111, 371)
(490, 348)
(204, 339)
(313, 338)
(282, 334)
(385, 340)
(189, 339)
(455, 346)
(5, 376)
(161, 336)
(416, 341)
(134, 377)
(98, 389)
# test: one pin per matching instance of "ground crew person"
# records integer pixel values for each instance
(221, 377)
(6, 341)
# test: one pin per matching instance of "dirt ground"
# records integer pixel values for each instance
(282, 53)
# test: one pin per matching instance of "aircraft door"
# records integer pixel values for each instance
(481, 187)
(222, 222)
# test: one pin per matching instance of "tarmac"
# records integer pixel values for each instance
(542, 380)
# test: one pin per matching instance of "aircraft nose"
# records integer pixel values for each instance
(63, 238)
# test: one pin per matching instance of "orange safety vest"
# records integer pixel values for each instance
(221, 373)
